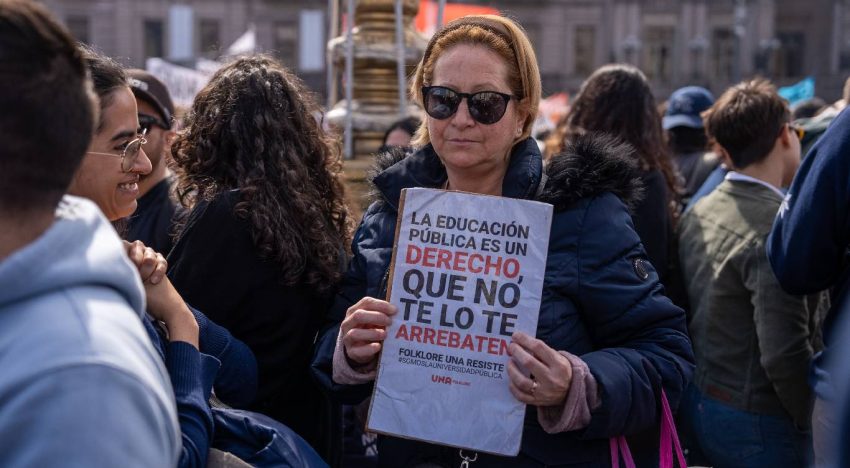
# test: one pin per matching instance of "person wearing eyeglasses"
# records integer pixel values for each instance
(750, 403)
(608, 341)
(153, 221)
(198, 354)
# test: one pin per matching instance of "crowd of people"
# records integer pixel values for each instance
(193, 291)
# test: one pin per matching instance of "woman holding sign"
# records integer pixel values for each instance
(608, 341)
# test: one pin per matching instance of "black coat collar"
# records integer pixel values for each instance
(588, 166)
(423, 168)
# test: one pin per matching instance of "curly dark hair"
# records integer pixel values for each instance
(616, 99)
(253, 128)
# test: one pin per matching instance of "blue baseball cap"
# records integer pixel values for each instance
(685, 106)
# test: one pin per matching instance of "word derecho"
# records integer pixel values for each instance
(467, 272)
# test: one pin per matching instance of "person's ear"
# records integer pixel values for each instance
(521, 116)
(724, 156)
(785, 135)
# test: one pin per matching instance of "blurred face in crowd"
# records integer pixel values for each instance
(105, 177)
(462, 143)
(398, 137)
(158, 138)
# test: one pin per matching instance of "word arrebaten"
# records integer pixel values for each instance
(450, 339)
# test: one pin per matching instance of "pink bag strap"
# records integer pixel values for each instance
(618, 444)
(669, 442)
(668, 435)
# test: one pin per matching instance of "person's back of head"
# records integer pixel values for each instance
(252, 129)
(48, 109)
(682, 120)
(746, 121)
(808, 108)
(617, 100)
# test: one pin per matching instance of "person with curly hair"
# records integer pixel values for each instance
(617, 100)
(262, 182)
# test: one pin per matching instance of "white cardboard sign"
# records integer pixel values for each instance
(467, 272)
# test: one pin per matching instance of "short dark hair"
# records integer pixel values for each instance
(746, 121)
(48, 108)
(107, 75)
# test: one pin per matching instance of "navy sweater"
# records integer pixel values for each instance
(809, 242)
(222, 362)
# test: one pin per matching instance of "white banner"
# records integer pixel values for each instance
(182, 83)
(467, 272)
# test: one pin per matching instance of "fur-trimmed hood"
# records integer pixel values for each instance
(591, 165)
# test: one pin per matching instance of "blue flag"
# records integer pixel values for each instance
(800, 91)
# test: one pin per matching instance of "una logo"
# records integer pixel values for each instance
(441, 379)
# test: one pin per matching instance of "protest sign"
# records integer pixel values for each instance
(467, 272)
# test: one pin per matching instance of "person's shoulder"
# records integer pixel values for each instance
(56, 417)
(217, 218)
(221, 205)
(77, 327)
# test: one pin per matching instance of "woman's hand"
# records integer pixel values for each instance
(551, 372)
(163, 301)
(166, 305)
(151, 265)
(364, 329)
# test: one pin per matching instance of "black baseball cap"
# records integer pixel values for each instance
(151, 89)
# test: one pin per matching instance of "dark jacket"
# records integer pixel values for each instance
(153, 221)
(601, 300)
(753, 341)
(222, 362)
(217, 268)
(651, 218)
(694, 167)
(808, 246)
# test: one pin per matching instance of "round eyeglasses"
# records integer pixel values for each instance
(131, 152)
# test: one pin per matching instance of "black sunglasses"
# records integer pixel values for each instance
(486, 107)
(148, 121)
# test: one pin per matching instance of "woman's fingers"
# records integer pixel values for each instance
(150, 264)
(526, 361)
(364, 328)
(543, 352)
(370, 303)
(135, 251)
(519, 380)
(362, 318)
(520, 394)
(367, 334)
(363, 353)
(551, 373)
(160, 269)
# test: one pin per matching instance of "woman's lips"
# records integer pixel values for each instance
(130, 186)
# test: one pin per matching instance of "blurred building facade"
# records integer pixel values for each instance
(712, 43)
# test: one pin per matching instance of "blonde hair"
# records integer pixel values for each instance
(504, 37)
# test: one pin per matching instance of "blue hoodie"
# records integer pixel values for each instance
(81, 384)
